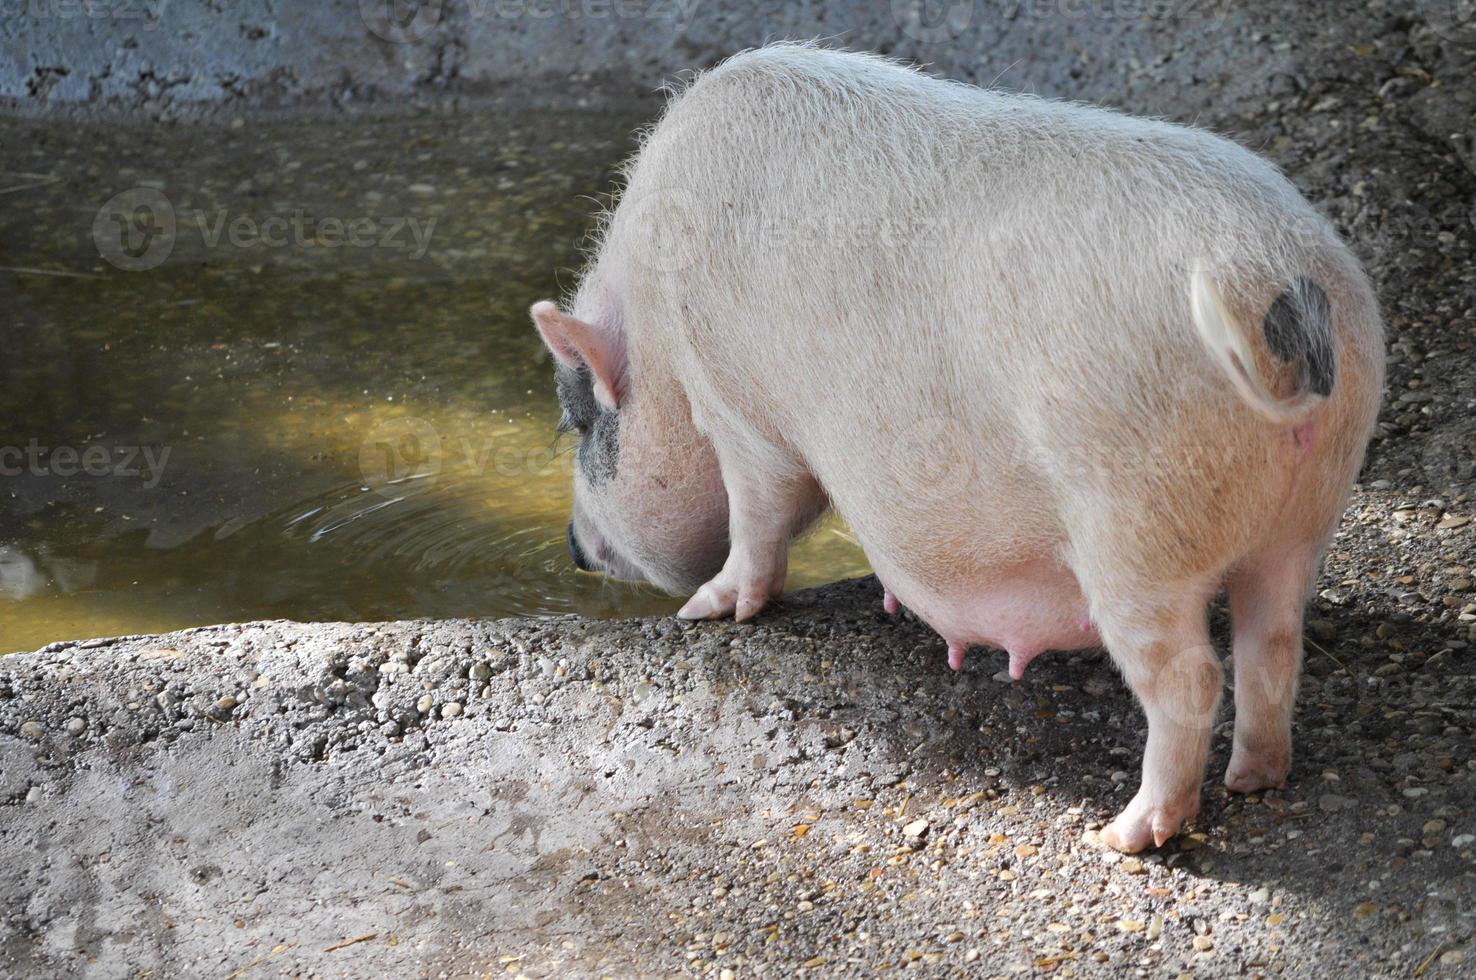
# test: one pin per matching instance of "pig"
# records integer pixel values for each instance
(1064, 372)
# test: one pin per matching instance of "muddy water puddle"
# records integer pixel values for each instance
(284, 370)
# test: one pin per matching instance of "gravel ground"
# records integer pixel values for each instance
(567, 797)
(815, 791)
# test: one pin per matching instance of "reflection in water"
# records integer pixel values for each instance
(22, 576)
(341, 432)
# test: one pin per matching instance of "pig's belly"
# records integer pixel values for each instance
(1024, 609)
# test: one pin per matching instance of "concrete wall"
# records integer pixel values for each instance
(186, 57)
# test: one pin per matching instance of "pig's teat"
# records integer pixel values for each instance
(889, 602)
(1019, 660)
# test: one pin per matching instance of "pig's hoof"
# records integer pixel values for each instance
(1143, 825)
(713, 601)
(1250, 772)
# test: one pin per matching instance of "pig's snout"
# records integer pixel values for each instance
(581, 560)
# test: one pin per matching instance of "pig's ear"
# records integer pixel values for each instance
(577, 344)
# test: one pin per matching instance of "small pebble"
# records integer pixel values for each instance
(76, 726)
(1323, 629)
(451, 709)
(32, 730)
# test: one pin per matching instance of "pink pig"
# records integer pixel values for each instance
(1064, 372)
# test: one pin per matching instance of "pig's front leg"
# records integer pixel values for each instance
(1164, 652)
(765, 511)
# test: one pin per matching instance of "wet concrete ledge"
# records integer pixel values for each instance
(581, 798)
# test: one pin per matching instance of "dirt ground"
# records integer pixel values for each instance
(815, 791)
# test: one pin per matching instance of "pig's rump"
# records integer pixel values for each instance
(967, 315)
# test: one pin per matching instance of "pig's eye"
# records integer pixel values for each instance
(568, 424)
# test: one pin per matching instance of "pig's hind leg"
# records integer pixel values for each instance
(1267, 597)
(766, 509)
(1160, 641)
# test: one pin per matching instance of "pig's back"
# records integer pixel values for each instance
(853, 184)
(845, 247)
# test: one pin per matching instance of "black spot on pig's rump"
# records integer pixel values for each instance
(1298, 330)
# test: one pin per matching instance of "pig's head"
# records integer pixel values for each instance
(649, 501)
